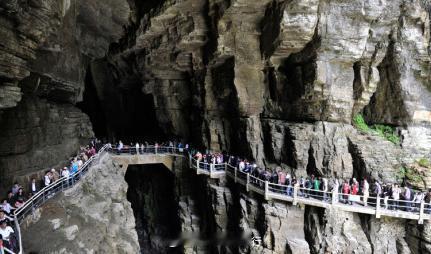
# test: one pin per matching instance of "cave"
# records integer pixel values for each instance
(151, 193)
(120, 112)
(275, 82)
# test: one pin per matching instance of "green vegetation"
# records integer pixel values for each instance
(360, 123)
(383, 131)
(409, 174)
(424, 162)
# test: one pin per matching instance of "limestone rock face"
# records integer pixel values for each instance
(93, 217)
(37, 135)
(277, 81)
(53, 40)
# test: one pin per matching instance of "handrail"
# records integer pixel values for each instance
(269, 190)
(20, 213)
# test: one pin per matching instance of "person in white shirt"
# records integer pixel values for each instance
(5, 206)
(325, 188)
(137, 148)
(33, 187)
(47, 179)
(396, 191)
(241, 166)
(366, 191)
(6, 232)
(80, 163)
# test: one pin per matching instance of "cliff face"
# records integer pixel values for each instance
(92, 217)
(274, 80)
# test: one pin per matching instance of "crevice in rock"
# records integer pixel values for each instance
(155, 207)
(314, 223)
(387, 105)
(359, 167)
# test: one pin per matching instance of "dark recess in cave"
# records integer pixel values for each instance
(93, 108)
(126, 114)
(152, 195)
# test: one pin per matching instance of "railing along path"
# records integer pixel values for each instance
(327, 199)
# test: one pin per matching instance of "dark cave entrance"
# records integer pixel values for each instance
(152, 195)
(120, 111)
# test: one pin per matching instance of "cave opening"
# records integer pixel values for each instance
(120, 111)
(152, 196)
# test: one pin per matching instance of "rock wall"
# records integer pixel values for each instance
(274, 80)
(46, 47)
(37, 135)
(92, 217)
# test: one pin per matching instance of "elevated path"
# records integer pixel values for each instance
(166, 156)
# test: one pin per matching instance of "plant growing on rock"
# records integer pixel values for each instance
(412, 176)
(384, 131)
(424, 162)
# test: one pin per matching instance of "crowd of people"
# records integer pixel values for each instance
(348, 191)
(18, 195)
(146, 147)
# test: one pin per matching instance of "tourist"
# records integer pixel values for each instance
(15, 188)
(377, 190)
(80, 162)
(346, 191)
(396, 191)
(6, 232)
(65, 173)
(120, 146)
(137, 148)
(325, 188)
(417, 199)
(47, 179)
(407, 197)
(316, 186)
(19, 202)
(54, 175)
(74, 167)
(4, 217)
(20, 194)
(6, 207)
(365, 191)
(335, 189)
(33, 186)
(10, 197)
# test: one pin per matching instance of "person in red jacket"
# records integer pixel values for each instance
(346, 191)
(354, 191)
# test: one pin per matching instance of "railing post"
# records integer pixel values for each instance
(295, 195)
(236, 169)
(266, 190)
(421, 213)
(211, 170)
(378, 207)
(248, 181)
(225, 167)
(334, 196)
(190, 161)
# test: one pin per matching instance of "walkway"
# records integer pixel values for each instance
(378, 207)
(270, 191)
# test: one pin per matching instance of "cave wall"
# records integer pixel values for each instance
(45, 50)
(273, 80)
(94, 216)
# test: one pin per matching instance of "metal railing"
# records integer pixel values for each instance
(368, 204)
(295, 194)
(42, 196)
